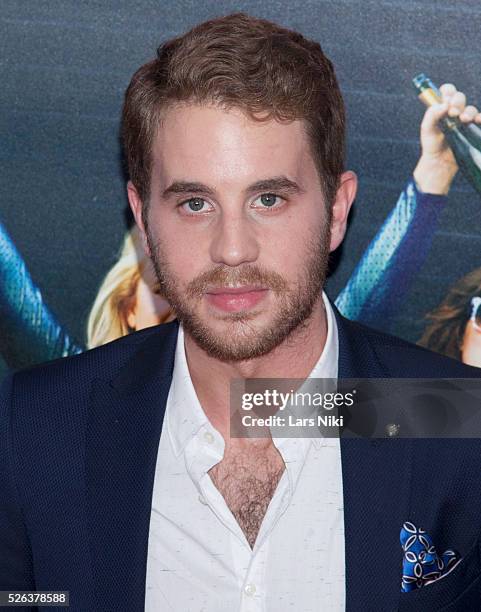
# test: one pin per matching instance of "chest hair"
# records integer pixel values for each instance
(247, 480)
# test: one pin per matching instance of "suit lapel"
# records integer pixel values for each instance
(123, 432)
(376, 484)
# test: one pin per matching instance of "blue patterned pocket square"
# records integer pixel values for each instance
(421, 562)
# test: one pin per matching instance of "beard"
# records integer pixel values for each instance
(242, 339)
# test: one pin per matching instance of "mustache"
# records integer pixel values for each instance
(247, 275)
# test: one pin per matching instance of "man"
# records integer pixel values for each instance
(119, 480)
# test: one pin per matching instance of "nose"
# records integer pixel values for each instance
(234, 241)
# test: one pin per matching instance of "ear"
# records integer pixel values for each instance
(136, 206)
(131, 319)
(342, 205)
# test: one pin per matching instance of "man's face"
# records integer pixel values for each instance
(237, 228)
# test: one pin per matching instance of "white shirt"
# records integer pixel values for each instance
(198, 556)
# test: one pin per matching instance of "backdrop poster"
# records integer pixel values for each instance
(71, 273)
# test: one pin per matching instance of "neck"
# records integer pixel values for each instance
(295, 357)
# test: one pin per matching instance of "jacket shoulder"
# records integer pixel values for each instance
(103, 362)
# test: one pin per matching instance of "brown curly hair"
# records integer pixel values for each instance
(238, 61)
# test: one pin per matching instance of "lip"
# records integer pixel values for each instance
(236, 299)
(235, 290)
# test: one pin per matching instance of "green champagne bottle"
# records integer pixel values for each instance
(464, 139)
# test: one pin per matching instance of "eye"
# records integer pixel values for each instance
(269, 200)
(194, 205)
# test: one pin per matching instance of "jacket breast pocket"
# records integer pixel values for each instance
(460, 590)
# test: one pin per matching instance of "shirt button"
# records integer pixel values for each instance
(208, 437)
(250, 589)
(202, 500)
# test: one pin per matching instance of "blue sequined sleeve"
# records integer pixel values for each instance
(29, 332)
(388, 266)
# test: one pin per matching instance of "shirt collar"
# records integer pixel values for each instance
(325, 367)
(184, 414)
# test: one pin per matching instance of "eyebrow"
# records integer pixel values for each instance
(277, 183)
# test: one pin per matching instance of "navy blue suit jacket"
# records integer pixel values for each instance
(78, 446)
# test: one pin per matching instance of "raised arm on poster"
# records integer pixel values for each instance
(464, 138)
(29, 331)
(384, 274)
